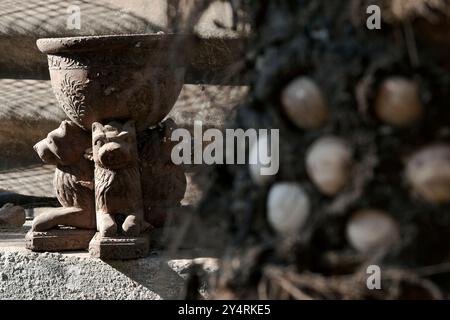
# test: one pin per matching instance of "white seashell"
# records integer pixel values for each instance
(329, 164)
(304, 104)
(398, 102)
(288, 208)
(369, 230)
(428, 172)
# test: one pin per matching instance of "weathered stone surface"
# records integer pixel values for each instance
(118, 191)
(133, 73)
(63, 239)
(12, 216)
(111, 88)
(54, 276)
(76, 275)
(119, 247)
(73, 181)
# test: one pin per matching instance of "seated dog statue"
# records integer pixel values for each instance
(65, 147)
(118, 194)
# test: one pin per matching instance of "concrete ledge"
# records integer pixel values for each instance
(26, 275)
(76, 275)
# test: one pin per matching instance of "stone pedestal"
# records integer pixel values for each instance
(62, 239)
(119, 247)
(113, 89)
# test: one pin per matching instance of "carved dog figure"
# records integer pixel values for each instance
(69, 148)
(118, 195)
(65, 147)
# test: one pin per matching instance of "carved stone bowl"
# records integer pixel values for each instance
(101, 78)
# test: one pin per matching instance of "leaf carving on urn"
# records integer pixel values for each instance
(72, 99)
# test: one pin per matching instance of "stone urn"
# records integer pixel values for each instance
(112, 89)
(102, 78)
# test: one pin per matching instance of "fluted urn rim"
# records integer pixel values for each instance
(153, 41)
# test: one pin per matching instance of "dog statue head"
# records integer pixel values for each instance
(64, 145)
(114, 145)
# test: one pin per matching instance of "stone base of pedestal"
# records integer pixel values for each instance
(63, 239)
(27, 275)
(119, 248)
